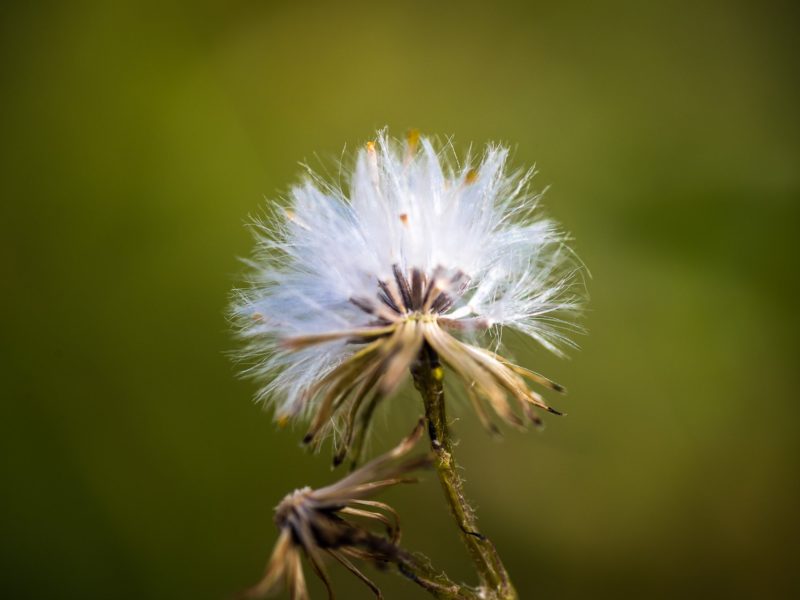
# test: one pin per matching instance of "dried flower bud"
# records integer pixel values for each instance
(334, 521)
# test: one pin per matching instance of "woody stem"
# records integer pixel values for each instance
(428, 376)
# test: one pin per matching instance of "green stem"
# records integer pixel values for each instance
(494, 581)
(435, 583)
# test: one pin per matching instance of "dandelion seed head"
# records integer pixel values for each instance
(419, 250)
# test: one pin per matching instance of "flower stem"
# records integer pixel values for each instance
(437, 584)
(494, 581)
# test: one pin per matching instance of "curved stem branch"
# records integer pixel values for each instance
(492, 574)
(435, 583)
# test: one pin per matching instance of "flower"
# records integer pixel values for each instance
(419, 253)
(318, 523)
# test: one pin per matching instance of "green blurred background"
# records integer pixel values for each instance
(137, 138)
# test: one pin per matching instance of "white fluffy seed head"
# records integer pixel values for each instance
(472, 228)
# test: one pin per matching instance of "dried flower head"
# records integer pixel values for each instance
(418, 254)
(325, 522)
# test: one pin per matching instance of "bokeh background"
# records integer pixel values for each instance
(137, 137)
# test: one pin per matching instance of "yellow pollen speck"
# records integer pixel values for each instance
(289, 214)
(371, 147)
(412, 141)
(404, 218)
(472, 176)
(438, 373)
(283, 421)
